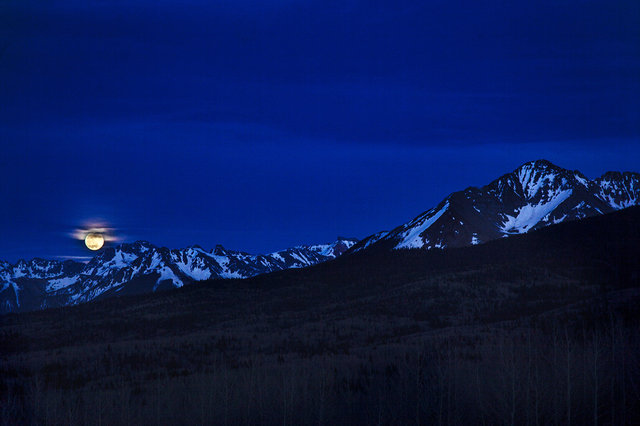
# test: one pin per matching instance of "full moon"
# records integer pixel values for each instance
(94, 241)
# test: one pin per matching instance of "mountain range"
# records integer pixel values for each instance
(535, 195)
(141, 267)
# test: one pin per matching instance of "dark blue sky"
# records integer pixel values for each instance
(265, 124)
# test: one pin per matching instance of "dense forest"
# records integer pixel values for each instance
(536, 329)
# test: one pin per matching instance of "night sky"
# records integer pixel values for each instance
(265, 124)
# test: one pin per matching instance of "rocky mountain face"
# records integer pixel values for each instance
(141, 267)
(535, 195)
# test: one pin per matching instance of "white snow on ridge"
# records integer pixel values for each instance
(18, 273)
(155, 261)
(167, 274)
(375, 238)
(529, 215)
(621, 205)
(323, 249)
(304, 261)
(531, 183)
(193, 271)
(61, 283)
(122, 259)
(411, 238)
(560, 220)
(328, 250)
(223, 261)
(582, 180)
(277, 256)
(109, 272)
(607, 192)
(17, 291)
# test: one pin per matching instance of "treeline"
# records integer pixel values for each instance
(573, 374)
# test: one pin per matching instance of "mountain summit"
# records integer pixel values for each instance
(534, 195)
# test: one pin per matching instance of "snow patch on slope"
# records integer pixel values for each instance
(61, 283)
(167, 274)
(529, 215)
(411, 237)
(224, 261)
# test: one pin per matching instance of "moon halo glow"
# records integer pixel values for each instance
(94, 241)
(95, 235)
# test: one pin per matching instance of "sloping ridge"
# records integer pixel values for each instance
(600, 251)
(535, 195)
(605, 247)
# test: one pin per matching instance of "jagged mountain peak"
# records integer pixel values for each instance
(540, 164)
(618, 189)
(195, 247)
(535, 194)
(220, 250)
(139, 246)
(614, 175)
(532, 179)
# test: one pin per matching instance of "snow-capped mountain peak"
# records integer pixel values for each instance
(142, 267)
(534, 195)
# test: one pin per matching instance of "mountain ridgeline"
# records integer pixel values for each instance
(141, 267)
(535, 195)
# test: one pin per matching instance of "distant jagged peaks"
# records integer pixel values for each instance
(142, 267)
(534, 195)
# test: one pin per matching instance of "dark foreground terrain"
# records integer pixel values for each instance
(536, 329)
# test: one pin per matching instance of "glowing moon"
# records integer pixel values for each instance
(94, 241)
